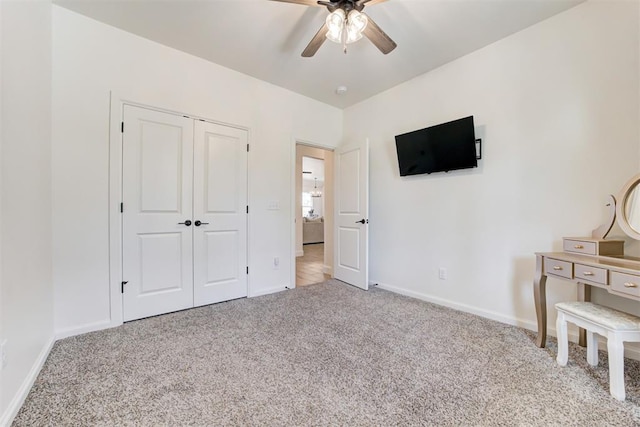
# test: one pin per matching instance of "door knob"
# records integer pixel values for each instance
(362, 221)
(199, 223)
(187, 223)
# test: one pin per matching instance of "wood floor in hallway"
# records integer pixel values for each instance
(309, 266)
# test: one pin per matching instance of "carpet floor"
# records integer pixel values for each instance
(326, 354)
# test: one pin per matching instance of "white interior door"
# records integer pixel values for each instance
(220, 213)
(157, 197)
(351, 251)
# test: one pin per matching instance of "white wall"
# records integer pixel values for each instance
(26, 306)
(89, 60)
(557, 107)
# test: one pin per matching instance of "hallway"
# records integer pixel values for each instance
(309, 266)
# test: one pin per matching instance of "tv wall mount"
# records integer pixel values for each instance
(479, 148)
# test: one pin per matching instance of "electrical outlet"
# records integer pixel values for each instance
(276, 263)
(3, 354)
(442, 273)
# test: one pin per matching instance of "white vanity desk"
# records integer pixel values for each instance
(594, 261)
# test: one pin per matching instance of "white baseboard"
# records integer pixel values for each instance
(89, 327)
(630, 352)
(22, 393)
(299, 253)
(267, 291)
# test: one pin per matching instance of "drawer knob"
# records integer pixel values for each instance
(630, 285)
(557, 268)
(578, 247)
(588, 273)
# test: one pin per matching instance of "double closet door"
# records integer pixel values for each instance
(184, 220)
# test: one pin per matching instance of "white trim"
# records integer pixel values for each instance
(79, 330)
(527, 324)
(327, 269)
(22, 393)
(116, 117)
(292, 218)
(631, 353)
(268, 291)
(299, 253)
(115, 219)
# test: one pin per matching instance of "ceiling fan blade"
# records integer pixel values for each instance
(302, 2)
(379, 37)
(316, 42)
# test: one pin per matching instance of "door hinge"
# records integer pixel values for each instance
(247, 148)
(247, 208)
(122, 127)
(122, 287)
(247, 269)
(121, 207)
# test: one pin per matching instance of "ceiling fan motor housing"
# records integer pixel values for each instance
(346, 5)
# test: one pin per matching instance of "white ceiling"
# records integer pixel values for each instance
(316, 167)
(264, 38)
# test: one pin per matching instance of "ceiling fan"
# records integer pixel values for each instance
(346, 24)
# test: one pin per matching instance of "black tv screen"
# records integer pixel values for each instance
(441, 148)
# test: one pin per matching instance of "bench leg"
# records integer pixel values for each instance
(563, 340)
(592, 348)
(616, 366)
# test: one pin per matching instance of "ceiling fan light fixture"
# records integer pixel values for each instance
(356, 23)
(336, 23)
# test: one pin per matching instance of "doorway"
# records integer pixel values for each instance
(314, 214)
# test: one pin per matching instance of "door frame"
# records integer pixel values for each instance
(293, 195)
(116, 117)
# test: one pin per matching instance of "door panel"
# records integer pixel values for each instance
(157, 195)
(161, 167)
(222, 256)
(349, 170)
(349, 248)
(220, 203)
(352, 213)
(222, 157)
(160, 266)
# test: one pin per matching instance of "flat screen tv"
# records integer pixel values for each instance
(441, 148)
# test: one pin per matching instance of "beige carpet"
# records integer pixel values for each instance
(327, 354)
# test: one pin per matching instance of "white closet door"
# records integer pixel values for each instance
(157, 195)
(351, 251)
(220, 213)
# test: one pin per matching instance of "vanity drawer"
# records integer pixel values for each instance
(592, 274)
(625, 283)
(556, 267)
(580, 247)
(589, 246)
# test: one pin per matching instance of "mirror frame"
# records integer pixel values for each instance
(620, 207)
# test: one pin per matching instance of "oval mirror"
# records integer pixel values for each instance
(628, 208)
